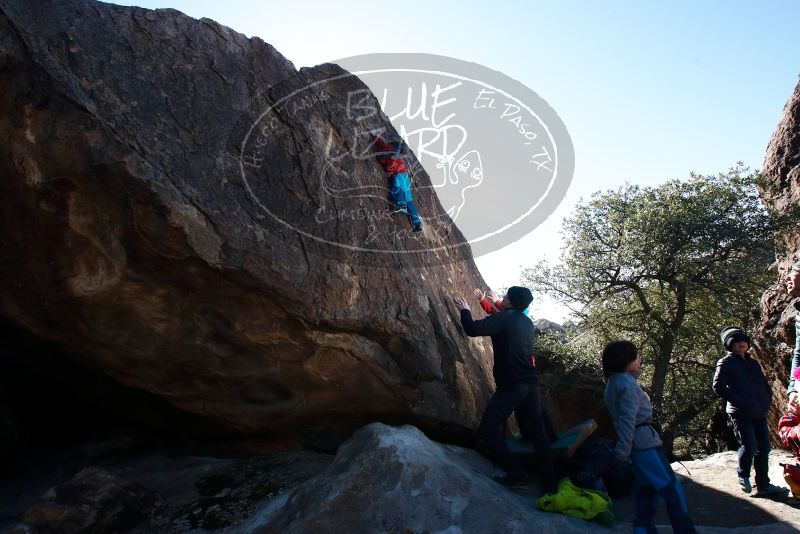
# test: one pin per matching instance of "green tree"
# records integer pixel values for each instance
(666, 267)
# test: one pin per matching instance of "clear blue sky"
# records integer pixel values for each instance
(648, 91)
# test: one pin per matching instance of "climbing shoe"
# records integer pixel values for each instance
(513, 483)
(744, 483)
(401, 209)
(769, 489)
(417, 227)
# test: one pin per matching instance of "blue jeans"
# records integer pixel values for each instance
(401, 195)
(753, 436)
(655, 480)
(522, 400)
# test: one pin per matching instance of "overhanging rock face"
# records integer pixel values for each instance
(194, 217)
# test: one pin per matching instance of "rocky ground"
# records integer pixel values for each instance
(171, 491)
(384, 479)
(717, 503)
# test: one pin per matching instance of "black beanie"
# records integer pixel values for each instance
(731, 334)
(520, 297)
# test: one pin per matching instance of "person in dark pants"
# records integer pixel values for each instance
(741, 382)
(517, 390)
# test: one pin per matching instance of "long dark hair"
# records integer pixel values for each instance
(617, 355)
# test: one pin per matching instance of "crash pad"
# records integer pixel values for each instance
(566, 444)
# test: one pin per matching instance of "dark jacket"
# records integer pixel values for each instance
(512, 341)
(740, 381)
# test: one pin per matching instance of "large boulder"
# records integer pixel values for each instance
(387, 479)
(175, 216)
(781, 192)
(95, 501)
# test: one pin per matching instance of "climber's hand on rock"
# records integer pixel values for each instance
(480, 295)
(492, 296)
(462, 303)
(793, 401)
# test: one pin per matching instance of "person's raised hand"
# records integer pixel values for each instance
(480, 295)
(462, 303)
(793, 405)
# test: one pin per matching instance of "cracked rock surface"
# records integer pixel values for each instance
(184, 211)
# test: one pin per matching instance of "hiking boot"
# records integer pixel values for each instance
(769, 489)
(417, 227)
(509, 482)
(401, 209)
(744, 483)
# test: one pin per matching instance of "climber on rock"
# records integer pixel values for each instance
(400, 189)
(517, 390)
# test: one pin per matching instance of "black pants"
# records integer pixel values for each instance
(754, 447)
(523, 401)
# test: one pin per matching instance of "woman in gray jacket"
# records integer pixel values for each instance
(638, 442)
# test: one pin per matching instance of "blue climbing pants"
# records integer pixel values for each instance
(401, 195)
(655, 479)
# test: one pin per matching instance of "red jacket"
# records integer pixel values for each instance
(487, 306)
(390, 163)
(789, 430)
